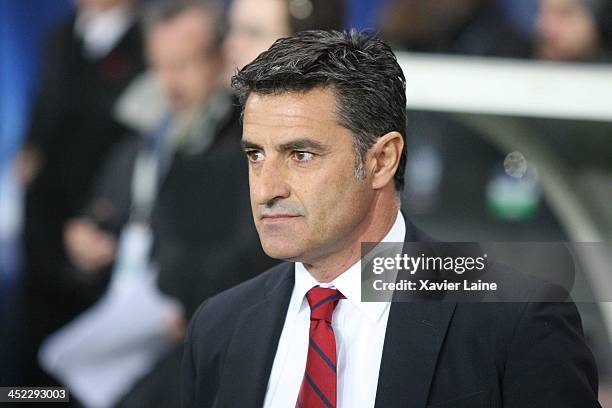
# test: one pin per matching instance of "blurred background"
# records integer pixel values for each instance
(123, 191)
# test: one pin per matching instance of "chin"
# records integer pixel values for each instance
(282, 251)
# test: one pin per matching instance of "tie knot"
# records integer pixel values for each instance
(322, 302)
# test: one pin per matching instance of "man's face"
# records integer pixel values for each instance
(307, 202)
(565, 30)
(254, 26)
(181, 55)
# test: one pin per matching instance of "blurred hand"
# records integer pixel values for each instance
(89, 248)
(175, 322)
(27, 164)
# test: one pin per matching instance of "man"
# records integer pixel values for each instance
(200, 226)
(90, 59)
(324, 128)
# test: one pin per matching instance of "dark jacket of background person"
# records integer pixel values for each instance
(436, 354)
(72, 128)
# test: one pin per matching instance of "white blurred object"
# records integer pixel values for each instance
(101, 354)
(507, 87)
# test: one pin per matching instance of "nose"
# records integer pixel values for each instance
(268, 184)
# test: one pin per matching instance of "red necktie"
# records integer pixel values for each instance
(318, 387)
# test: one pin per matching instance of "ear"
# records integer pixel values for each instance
(385, 156)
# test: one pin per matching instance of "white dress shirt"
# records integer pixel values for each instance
(359, 328)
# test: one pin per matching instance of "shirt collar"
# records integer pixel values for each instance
(349, 282)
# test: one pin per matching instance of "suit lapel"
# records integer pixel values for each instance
(253, 345)
(415, 333)
(414, 336)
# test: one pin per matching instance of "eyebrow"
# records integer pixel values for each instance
(246, 144)
(297, 144)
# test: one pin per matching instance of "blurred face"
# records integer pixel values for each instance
(307, 202)
(566, 30)
(254, 26)
(183, 59)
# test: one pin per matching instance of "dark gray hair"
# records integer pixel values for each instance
(362, 70)
(161, 11)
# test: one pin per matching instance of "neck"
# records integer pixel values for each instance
(373, 228)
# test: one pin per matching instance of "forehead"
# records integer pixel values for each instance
(270, 14)
(192, 28)
(311, 113)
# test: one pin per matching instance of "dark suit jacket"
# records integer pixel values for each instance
(436, 354)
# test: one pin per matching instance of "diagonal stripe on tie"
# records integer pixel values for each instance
(327, 299)
(318, 391)
(314, 345)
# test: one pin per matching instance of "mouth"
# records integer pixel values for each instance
(277, 218)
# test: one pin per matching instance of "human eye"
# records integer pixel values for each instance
(302, 157)
(254, 156)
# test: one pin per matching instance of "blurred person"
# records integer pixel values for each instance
(323, 131)
(198, 212)
(470, 27)
(573, 30)
(90, 59)
(255, 24)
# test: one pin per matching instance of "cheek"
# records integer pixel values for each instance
(331, 199)
(583, 32)
(196, 81)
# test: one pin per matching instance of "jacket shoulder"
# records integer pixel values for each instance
(216, 311)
